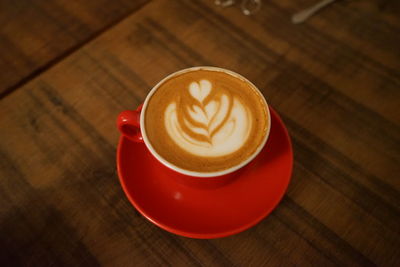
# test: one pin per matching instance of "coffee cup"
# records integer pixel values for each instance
(203, 124)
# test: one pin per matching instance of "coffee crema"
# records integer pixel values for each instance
(206, 120)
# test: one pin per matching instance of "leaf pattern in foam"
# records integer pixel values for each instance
(221, 113)
(211, 109)
(210, 115)
(224, 121)
(198, 115)
(195, 129)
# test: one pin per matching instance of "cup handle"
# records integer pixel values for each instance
(128, 123)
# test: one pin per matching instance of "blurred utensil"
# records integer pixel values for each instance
(303, 15)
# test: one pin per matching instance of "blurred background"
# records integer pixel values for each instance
(67, 68)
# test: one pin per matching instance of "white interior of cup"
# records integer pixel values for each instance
(194, 173)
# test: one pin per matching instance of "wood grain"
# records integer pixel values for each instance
(34, 35)
(334, 80)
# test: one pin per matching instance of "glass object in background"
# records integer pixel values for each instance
(248, 7)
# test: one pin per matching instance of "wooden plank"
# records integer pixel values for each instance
(34, 35)
(299, 76)
(58, 142)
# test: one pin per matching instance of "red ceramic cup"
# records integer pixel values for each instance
(131, 124)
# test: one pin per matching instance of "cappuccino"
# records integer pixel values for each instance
(206, 120)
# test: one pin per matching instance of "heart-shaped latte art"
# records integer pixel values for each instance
(200, 90)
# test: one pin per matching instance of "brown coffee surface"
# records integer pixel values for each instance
(206, 120)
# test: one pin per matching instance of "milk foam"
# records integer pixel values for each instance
(212, 128)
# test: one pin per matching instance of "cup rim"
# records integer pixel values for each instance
(194, 173)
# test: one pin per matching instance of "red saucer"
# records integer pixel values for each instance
(208, 213)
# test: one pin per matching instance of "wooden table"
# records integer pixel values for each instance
(69, 67)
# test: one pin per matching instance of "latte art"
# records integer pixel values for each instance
(205, 120)
(213, 126)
